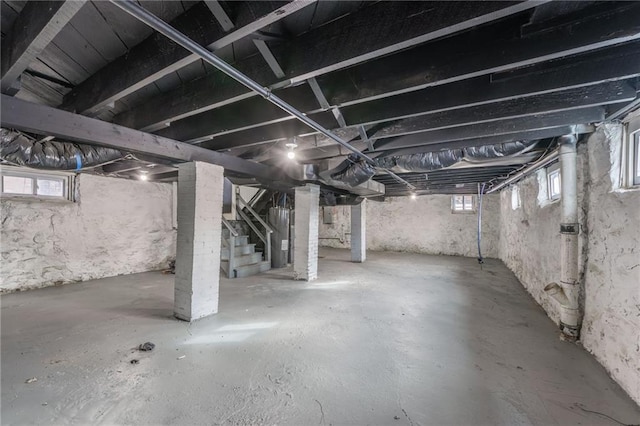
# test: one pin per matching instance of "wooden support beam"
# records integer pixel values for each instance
(238, 115)
(221, 16)
(344, 42)
(38, 24)
(615, 63)
(40, 119)
(503, 127)
(566, 100)
(477, 54)
(158, 56)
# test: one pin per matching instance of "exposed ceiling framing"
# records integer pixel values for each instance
(392, 78)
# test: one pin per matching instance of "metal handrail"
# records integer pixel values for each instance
(244, 217)
(231, 229)
(232, 248)
(256, 197)
(268, 228)
(266, 238)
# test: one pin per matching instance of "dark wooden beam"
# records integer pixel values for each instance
(341, 43)
(35, 27)
(41, 119)
(581, 97)
(220, 14)
(122, 166)
(239, 115)
(478, 53)
(618, 62)
(566, 100)
(158, 56)
(503, 127)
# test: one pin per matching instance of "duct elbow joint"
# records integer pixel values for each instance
(569, 312)
(557, 293)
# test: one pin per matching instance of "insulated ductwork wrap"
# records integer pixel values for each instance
(353, 171)
(498, 150)
(427, 161)
(423, 162)
(21, 150)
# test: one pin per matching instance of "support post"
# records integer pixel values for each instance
(200, 189)
(358, 232)
(305, 260)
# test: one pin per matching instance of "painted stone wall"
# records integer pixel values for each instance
(115, 227)
(610, 242)
(424, 225)
(530, 241)
(611, 325)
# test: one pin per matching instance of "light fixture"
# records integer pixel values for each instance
(143, 175)
(413, 196)
(290, 150)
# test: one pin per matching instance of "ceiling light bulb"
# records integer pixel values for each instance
(413, 196)
(144, 176)
(291, 155)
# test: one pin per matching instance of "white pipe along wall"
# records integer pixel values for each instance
(568, 292)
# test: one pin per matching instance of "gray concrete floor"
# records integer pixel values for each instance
(403, 339)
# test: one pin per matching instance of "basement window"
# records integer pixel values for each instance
(553, 182)
(633, 153)
(18, 183)
(515, 198)
(463, 204)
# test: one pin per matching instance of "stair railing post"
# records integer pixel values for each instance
(232, 255)
(241, 203)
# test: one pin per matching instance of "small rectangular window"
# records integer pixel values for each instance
(17, 185)
(554, 183)
(515, 198)
(631, 154)
(463, 204)
(17, 182)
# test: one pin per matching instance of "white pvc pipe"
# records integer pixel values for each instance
(568, 292)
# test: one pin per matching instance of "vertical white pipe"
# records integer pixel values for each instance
(569, 230)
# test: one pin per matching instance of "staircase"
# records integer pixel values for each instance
(239, 257)
(242, 260)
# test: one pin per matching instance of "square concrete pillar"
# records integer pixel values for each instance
(305, 255)
(200, 189)
(358, 232)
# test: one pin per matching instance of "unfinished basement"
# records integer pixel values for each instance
(320, 212)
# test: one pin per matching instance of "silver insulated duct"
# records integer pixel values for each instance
(354, 171)
(22, 150)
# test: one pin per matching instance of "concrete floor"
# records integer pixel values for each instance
(403, 339)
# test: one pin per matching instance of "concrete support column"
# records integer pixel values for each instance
(305, 258)
(200, 189)
(358, 232)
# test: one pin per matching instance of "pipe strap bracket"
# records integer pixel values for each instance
(570, 228)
